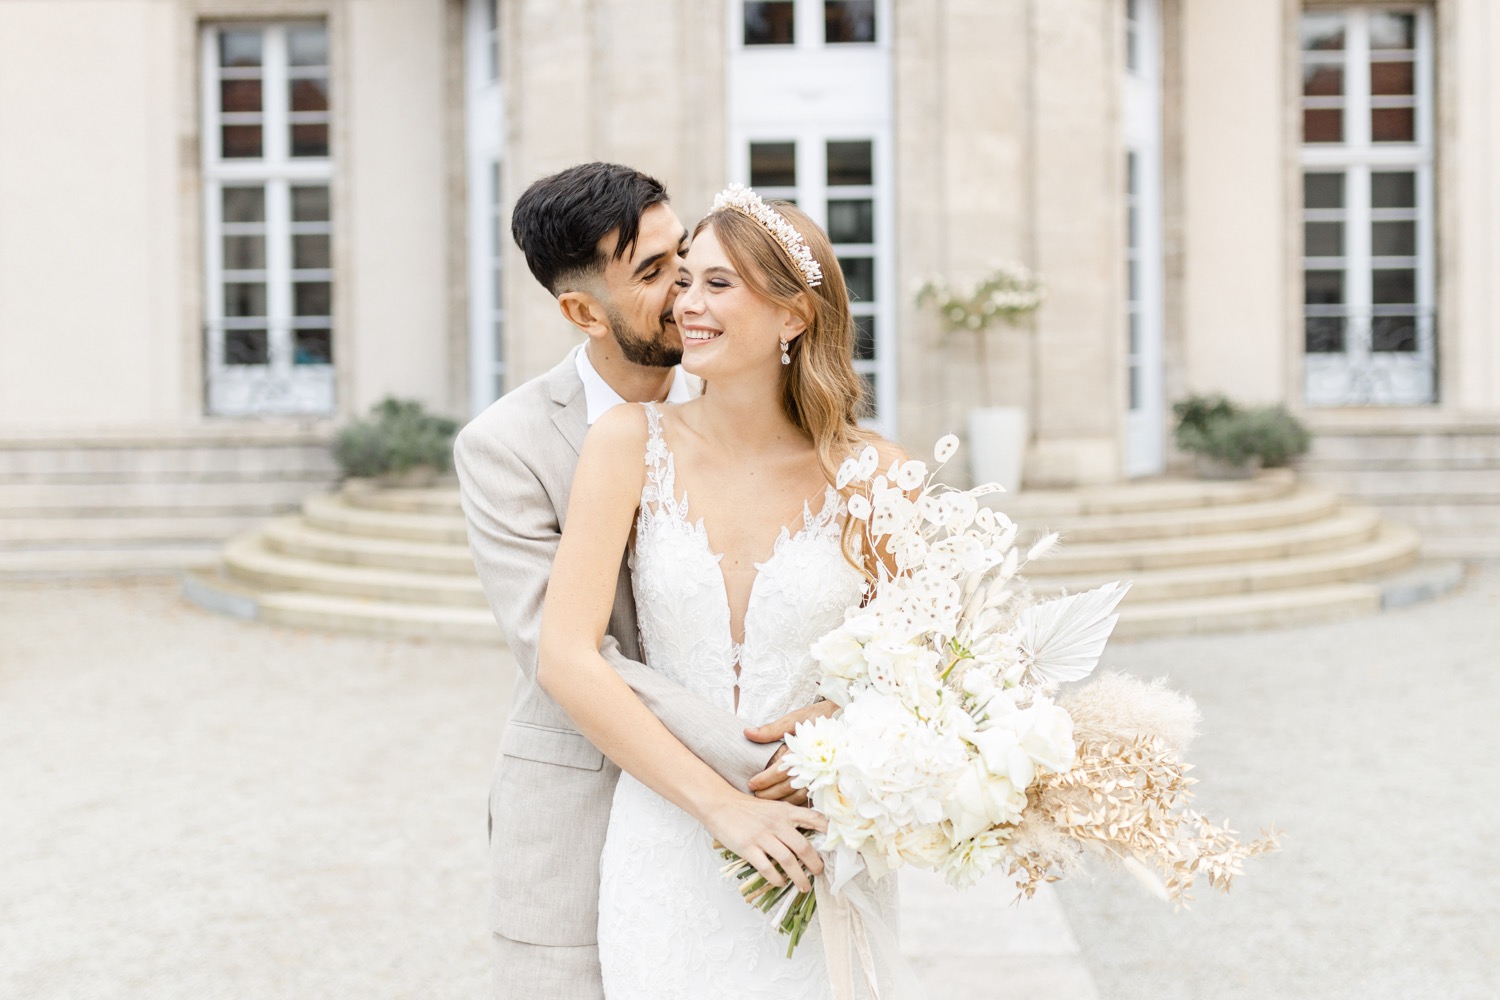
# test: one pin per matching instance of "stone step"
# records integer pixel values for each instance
(1243, 612)
(55, 459)
(1422, 485)
(1394, 548)
(1296, 508)
(111, 561)
(248, 558)
(29, 499)
(215, 591)
(332, 512)
(1342, 530)
(441, 498)
(54, 532)
(295, 537)
(1059, 506)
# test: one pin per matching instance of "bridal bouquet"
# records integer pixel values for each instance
(954, 749)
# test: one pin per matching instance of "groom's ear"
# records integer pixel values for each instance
(584, 311)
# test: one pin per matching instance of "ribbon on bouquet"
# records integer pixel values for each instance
(860, 944)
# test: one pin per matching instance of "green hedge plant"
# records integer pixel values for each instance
(397, 437)
(1215, 428)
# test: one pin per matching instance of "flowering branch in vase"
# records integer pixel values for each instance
(1007, 293)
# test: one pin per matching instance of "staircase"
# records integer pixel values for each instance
(1226, 556)
(122, 505)
(1202, 556)
(1439, 474)
(392, 562)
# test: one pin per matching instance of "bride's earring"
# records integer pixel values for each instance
(786, 358)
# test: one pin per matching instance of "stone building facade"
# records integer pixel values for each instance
(219, 215)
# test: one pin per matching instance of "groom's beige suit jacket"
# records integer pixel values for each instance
(551, 794)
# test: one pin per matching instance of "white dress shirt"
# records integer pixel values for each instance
(601, 398)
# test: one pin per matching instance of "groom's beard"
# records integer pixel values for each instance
(643, 349)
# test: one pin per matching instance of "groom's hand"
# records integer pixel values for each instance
(773, 783)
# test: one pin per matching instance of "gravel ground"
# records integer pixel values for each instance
(1369, 742)
(197, 807)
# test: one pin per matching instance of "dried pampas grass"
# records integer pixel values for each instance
(1127, 796)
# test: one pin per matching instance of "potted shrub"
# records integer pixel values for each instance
(1007, 293)
(1231, 442)
(400, 444)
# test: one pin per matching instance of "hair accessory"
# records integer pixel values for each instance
(742, 199)
(786, 358)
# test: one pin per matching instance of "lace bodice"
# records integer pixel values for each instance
(799, 594)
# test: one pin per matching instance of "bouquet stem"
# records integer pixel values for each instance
(791, 908)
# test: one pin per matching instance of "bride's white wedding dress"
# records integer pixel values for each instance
(670, 925)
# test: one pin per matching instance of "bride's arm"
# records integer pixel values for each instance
(605, 495)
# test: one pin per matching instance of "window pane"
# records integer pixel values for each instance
(773, 164)
(1393, 286)
(310, 94)
(864, 337)
(1393, 78)
(1324, 288)
(240, 142)
(1323, 239)
(310, 139)
(1393, 190)
(1323, 125)
(1394, 333)
(244, 299)
(244, 204)
(245, 347)
(312, 298)
(851, 221)
(1393, 125)
(239, 95)
(1393, 239)
(1322, 80)
(867, 405)
(310, 204)
(239, 48)
(307, 45)
(769, 22)
(312, 347)
(859, 274)
(244, 253)
(1393, 31)
(848, 21)
(1134, 387)
(1324, 335)
(1322, 32)
(310, 252)
(1323, 190)
(850, 163)
(1133, 280)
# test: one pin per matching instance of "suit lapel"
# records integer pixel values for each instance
(571, 415)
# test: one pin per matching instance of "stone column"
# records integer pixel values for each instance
(639, 82)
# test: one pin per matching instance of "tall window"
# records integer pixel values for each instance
(484, 116)
(810, 116)
(1368, 259)
(268, 221)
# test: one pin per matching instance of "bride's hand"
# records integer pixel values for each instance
(767, 834)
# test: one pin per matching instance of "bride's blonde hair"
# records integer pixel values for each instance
(821, 393)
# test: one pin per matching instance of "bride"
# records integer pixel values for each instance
(741, 556)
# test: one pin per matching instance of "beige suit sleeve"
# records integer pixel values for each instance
(513, 536)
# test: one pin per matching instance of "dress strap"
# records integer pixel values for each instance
(659, 493)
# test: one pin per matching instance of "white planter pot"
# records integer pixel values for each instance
(997, 445)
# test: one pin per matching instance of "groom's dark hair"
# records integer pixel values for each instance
(559, 221)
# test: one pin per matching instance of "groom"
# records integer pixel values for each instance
(603, 240)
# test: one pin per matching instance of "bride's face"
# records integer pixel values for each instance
(726, 327)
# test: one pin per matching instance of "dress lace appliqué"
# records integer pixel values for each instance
(670, 926)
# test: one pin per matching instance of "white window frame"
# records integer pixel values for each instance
(484, 129)
(1359, 375)
(811, 94)
(1144, 422)
(279, 386)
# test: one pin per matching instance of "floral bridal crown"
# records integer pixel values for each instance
(742, 199)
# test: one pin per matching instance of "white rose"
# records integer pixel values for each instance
(1047, 735)
(1000, 749)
